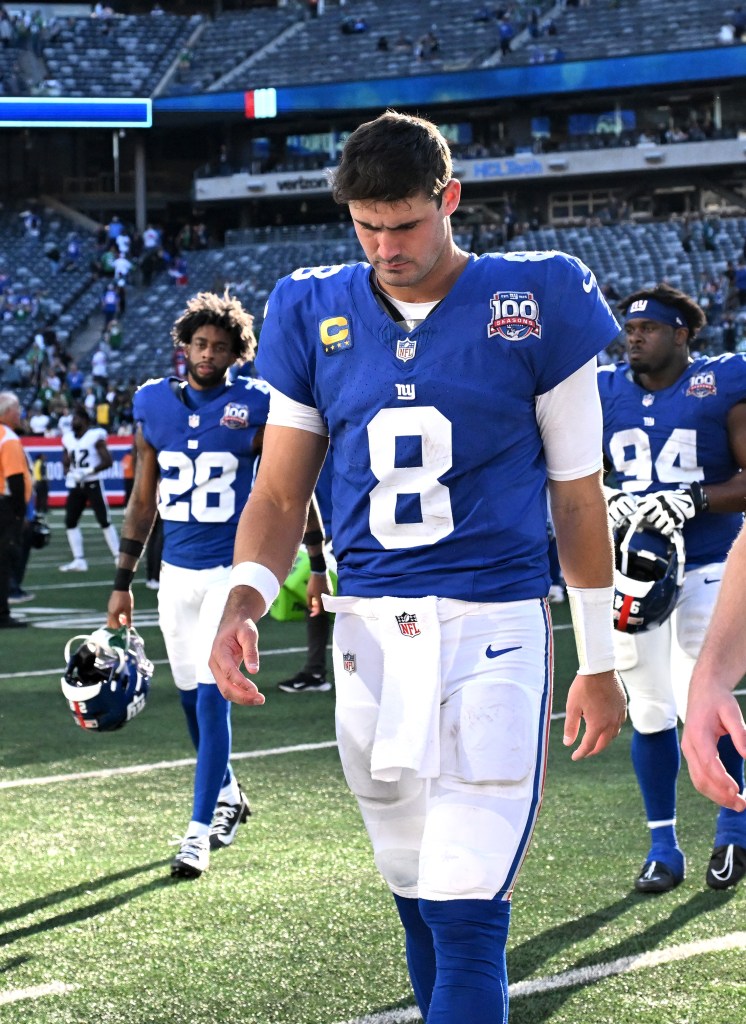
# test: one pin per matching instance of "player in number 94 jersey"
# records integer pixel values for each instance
(675, 437)
(197, 443)
(454, 390)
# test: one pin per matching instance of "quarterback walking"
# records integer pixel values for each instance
(452, 389)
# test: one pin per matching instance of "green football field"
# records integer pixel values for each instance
(292, 925)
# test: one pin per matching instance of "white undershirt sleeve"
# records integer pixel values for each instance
(286, 412)
(571, 425)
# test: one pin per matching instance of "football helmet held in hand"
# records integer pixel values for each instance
(107, 678)
(649, 575)
(40, 532)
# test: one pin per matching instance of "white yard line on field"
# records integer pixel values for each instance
(585, 975)
(54, 988)
(140, 769)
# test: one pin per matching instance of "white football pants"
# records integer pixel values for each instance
(656, 666)
(190, 606)
(463, 833)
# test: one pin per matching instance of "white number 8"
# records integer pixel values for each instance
(434, 431)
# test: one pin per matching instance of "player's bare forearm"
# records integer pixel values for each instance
(712, 709)
(274, 520)
(599, 701)
(582, 528)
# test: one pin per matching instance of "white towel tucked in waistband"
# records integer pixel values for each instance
(408, 728)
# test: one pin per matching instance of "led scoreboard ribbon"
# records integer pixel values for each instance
(75, 112)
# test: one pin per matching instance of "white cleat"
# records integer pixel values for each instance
(77, 565)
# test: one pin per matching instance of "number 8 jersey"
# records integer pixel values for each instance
(206, 456)
(439, 475)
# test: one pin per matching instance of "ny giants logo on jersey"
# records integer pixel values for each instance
(408, 624)
(702, 385)
(235, 416)
(515, 316)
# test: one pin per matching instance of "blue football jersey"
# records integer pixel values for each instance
(661, 440)
(206, 461)
(439, 475)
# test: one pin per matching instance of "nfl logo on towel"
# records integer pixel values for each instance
(349, 662)
(408, 624)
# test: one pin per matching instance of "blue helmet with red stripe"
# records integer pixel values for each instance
(107, 678)
(648, 577)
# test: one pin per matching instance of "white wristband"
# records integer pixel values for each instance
(258, 576)
(593, 625)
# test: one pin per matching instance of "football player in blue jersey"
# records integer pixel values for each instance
(452, 389)
(197, 446)
(675, 437)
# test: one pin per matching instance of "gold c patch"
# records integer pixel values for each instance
(335, 334)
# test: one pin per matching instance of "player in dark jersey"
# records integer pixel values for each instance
(85, 457)
(198, 441)
(452, 390)
(675, 436)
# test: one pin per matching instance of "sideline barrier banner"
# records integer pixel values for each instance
(51, 449)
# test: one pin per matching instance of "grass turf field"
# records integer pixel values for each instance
(292, 924)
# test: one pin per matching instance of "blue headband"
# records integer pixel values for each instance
(651, 309)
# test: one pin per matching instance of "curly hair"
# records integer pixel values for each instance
(218, 311)
(394, 157)
(691, 311)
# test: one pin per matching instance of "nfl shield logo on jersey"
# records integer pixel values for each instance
(408, 624)
(349, 662)
(194, 420)
(405, 349)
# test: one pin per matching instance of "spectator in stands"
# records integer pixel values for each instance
(110, 303)
(128, 471)
(39, 418)
(75, 380)
(99, 367)
(506, 34)
(114, 229)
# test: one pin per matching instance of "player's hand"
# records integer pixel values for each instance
(600, 701)
(619, 505)
(713, 712)
(318, 584)
(120, 608)
(669, 510)
(236, 641)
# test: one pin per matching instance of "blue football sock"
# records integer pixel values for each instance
(471, 981)
(419, 949)
(189, 704)
(656, 759)
(731, 825)
(213, 715)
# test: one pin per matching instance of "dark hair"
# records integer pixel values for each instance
(394, 157)
(691, 311)
(80, 410)
(218, 311)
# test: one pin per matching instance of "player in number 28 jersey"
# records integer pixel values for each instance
(198, 441)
